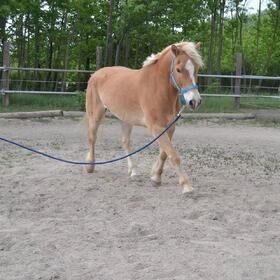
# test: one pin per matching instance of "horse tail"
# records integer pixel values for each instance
(90, 92)
(94, 106)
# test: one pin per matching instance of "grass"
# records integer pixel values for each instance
(217, 105)
(21, 103)
(260, 103)
(28, 103)
(227, 104)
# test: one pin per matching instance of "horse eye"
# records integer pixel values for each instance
(178, 70)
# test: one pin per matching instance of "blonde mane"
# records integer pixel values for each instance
(188, 47)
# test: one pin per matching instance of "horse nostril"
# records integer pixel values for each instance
(199, 102)
(192, 103)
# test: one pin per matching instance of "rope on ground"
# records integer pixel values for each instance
(6, 140)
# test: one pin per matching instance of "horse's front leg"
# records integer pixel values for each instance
(126, 143)
(166, 145)
(159, 164)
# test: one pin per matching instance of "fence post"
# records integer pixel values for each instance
(98, 57)
(238, 69)
(5, 74)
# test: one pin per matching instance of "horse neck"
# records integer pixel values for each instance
(159, 76)
(163, 67)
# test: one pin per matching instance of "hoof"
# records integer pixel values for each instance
(155, 184)
(132, 173)
(156, 181)
(187, 189)
(135, 178)
(89, 168)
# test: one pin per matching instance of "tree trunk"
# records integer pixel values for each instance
(273, 41)
(258, 31)
(28, 36)
(51, 48)
(239, 28)
(236, 31)
(3, 21)
(109, 44)
(21, 51)
(126, 56)
(212, 42)
(117, 57)
(66, 54)
(255, 61)
(36, 55)
(220, 36)
(136, 56)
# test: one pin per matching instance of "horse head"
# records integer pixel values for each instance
(185, 65)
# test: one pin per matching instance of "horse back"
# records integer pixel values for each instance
(119, 89)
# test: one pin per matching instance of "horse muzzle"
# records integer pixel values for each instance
(194, 104)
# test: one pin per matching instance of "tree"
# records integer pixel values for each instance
(65, 34)
(109, 43)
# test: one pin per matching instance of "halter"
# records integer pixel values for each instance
(181, 91)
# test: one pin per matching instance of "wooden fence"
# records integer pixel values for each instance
(235, 86)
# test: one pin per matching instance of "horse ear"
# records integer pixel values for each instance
(175, 50)
(197, 45)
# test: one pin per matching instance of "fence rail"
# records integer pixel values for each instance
(8, 68)
(4, 92)
(215, 76)
(242, 77)
(229, 88)
(46, 81)
(240, 95)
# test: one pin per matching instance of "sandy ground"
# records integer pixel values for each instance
(57, 222)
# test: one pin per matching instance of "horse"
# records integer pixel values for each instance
(151, 97)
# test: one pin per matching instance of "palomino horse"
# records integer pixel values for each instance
(151, 97)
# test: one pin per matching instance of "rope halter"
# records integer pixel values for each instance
(181, 91)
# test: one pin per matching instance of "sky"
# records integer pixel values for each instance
(254, 5)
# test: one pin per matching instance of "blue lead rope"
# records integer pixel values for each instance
(97, 162)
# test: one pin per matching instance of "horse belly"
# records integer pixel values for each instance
(119, 91)
(123, 106)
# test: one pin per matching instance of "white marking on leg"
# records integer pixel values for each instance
(126, 132)
(131, 168)
(187, 189)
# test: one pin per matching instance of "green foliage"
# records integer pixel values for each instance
(73, 103)
(217, 105)
(65, 34)
(26, 102)
(212, 86)
(82, 100)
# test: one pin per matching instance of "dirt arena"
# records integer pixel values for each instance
(58, 222)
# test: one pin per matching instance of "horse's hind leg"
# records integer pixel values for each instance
(93, 124)
(95, 112)
(126, 143)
